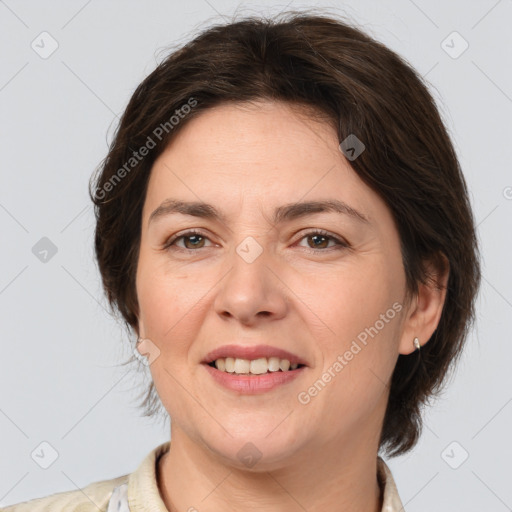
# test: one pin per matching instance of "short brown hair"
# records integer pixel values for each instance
(359, 85)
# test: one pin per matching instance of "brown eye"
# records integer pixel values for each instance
(319, 241)
(192, 240)
(195, 241)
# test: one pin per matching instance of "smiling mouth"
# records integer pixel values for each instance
(260, 366)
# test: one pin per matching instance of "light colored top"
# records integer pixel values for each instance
(139, 490)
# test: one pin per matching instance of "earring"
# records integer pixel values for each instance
(417, 344)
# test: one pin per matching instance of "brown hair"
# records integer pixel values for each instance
(357, 83)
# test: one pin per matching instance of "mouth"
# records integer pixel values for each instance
(253, 360)
(253, 369)
(258, 366)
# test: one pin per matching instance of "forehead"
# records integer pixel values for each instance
(263, 153)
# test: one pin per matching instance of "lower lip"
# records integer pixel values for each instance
(251, 385)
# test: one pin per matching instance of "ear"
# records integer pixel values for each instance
(425, 308)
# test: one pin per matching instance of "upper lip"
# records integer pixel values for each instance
(252, 352)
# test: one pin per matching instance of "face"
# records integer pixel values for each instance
(326, 286)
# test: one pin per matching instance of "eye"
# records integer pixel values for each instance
(320, 238)
(195, 239)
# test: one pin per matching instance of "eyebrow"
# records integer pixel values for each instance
(284, 213)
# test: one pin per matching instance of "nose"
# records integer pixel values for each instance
(251, 292)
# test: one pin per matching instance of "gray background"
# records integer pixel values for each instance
(60, 383)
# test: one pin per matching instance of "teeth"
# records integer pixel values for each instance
(259, 366)
(255, 366)
(220, 364)
(242, 366)
(273, 364)
(230, 364)
(284, 365)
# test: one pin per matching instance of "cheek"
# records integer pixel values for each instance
(170, 321)
(360, 310)
(166, 300)
(349, 299)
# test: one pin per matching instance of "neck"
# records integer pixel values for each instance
(323, 478)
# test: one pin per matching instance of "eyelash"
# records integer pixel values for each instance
(340, 244)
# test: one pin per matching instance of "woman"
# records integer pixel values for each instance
(283, 222)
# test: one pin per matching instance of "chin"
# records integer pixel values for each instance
(255, 449)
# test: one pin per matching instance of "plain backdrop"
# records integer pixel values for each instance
(60, 346)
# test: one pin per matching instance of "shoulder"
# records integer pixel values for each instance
(92, 498)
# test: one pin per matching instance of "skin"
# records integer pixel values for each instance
(246, 160)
